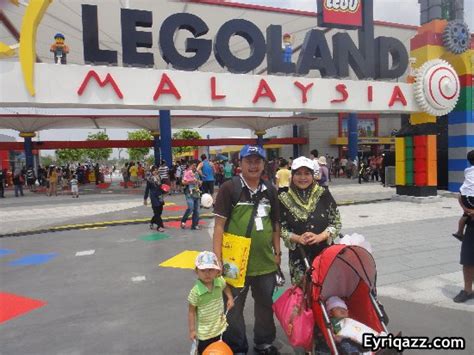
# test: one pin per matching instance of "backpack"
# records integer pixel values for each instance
(237, 189)
(237, 192)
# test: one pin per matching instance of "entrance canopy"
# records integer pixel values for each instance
(37, 119)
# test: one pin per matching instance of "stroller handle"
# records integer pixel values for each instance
(305, 258)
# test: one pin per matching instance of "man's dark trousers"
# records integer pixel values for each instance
(262, 287)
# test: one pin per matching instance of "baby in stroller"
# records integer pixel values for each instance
(348, 332)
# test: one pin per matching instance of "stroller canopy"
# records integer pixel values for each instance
(339, 269)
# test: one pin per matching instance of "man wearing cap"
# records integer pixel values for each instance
(257, 206)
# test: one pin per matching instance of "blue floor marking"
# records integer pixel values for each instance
(33, 259)
(5, 252)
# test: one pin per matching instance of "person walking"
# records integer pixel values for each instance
(283, 175)
(154, 191)
(315, 157)
(125, 176)
(206, 171)
(164, 173)
(228, 170)
(30, 178)
(53, 181)
(256, 209)
(133, 174)
(323, 173)
(2, 183)
(41, 176)
(192, 193)
(18, 181)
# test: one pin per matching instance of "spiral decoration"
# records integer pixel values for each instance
(437, 87)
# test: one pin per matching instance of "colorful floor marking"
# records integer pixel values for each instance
(85, 252)
(154, 236)
(33, 259)
(12, 305)
(177, 224)
(277, 293)
(184, 260)
(138, 278)
(175, 208)
(169, 204)
(6, 252)
(92, 228)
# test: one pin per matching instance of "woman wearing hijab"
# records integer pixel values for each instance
(153, 189)
(309, 217)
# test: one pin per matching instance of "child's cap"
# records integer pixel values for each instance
(207, 260)
(334, 301)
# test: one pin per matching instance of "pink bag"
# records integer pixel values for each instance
(295, 317)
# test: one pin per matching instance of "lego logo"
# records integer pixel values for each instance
(342, 5)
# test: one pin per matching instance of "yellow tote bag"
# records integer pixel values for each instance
(235, 257)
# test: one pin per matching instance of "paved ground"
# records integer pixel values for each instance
(103, 291)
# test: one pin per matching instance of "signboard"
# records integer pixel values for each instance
(341, 13)
(116, 87)
(366, 127)
(363, 140)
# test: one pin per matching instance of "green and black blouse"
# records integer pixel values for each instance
(310, 210)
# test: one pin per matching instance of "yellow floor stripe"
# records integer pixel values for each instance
(184, 260)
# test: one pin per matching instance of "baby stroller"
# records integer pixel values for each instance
(346, 271)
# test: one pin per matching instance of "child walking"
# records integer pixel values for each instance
(466, 200)
(206, 317)
(74, 187)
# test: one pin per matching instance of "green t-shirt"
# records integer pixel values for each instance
(211, 321)
(228, 168)
(261, 257)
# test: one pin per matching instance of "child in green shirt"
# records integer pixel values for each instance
(206, 316)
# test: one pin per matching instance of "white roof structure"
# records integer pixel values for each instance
(35, 119)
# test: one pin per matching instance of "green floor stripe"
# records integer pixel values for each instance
(154, 236)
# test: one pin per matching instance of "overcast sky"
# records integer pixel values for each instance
(398, 11)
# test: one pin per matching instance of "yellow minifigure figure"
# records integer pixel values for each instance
(60, 49)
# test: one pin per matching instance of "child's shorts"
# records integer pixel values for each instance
(468, 202)
(75, 190)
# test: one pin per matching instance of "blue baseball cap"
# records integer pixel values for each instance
(249, 150)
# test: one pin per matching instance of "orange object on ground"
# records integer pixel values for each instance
(218, 348)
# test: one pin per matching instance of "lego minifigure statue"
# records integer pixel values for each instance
(287, 48)
(60, 49)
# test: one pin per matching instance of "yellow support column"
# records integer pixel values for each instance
(400, 169)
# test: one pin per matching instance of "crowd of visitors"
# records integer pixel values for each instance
(53, 180)
(213, 173)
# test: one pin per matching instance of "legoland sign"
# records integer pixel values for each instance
(341, 13)
(85, 86)
(137, 85)
(375, 58)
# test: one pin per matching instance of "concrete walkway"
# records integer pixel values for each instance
(106, 293)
